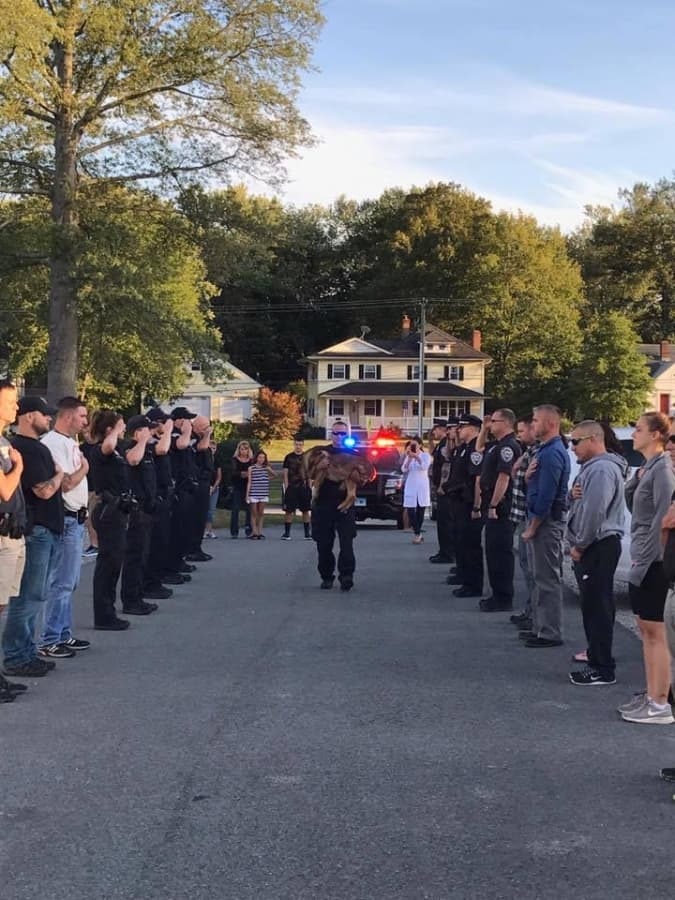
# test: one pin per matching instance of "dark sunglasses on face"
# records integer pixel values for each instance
(340, 433)
(575, 441)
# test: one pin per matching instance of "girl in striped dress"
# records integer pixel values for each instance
(258, 493)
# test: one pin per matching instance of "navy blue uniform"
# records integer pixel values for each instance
(466, 467)
(499, 458)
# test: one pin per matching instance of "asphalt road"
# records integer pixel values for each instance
(258, 738)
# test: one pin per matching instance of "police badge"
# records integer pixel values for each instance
(506, 454)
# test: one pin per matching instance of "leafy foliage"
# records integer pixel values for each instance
(277, 415)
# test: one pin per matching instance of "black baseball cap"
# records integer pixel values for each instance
(182, 412)
(156, 415)
(471, 420)
(136, 422)
(35, 404)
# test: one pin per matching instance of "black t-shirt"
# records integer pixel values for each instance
(330, 492)
(38, 466)
(111, 473)
(296, 471)
(205, 465)
(87, 451)
(162, 465)
(143, 477)
(238, 466)
(499, 457)
(183, 462)
(437, 461)
(466, 466)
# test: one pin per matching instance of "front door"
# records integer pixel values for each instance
(664, 403)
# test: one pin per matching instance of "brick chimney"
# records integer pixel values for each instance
(665, 351)
(476, 338)
(405, 327)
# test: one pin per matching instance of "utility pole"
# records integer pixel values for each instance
(420, 383)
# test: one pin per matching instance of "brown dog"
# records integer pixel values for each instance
(349, 469)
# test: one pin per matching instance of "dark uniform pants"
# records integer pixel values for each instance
(111, 527)
(327, 521)
(500, 559)
(468, 547)
(444, 527)
(181, 519)
(158, 557)
(135, 557)
(200, 514)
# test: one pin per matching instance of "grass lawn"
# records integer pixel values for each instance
(276, 450)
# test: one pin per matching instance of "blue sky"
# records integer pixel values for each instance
(537, 106)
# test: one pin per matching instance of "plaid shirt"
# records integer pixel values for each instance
(518, 512)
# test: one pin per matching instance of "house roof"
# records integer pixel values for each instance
(658, 367)
(443, 389)
(401, 348)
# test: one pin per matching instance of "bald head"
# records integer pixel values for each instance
(588, 440)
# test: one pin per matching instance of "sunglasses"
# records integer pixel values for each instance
(575, 441)
(340, 433)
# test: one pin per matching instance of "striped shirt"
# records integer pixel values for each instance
(259, 481)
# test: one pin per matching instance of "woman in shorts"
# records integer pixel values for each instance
(258, 492)
(648, 495)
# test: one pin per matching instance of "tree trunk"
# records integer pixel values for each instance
(63, 330)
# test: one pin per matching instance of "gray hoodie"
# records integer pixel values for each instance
(648, 499)
(600, 510)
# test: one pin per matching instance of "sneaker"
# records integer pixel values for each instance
(285, 537)
(591, 676)
(36, 668)
(90, 552)
(650, 714)
(667, 774)
(76, 644)
(55, 651)
(635, 702)
(308, 537)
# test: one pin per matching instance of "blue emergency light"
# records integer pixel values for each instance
(349, 442)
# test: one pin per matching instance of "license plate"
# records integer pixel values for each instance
(360, 501)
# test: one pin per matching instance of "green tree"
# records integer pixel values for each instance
(627, 257)
(142, 298)
(125, 91)
(612, 380)
(276, 415)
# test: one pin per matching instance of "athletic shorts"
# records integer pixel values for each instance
(297, 496)
(648, 599)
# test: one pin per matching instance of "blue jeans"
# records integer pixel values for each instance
(63, 581)
(43, 551)
(213, 500)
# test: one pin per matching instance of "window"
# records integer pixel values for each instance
(370, 372)
(416, 407)
(310, 407)
(338, 371)
(336, 407)
(445, 408)
(414, 373)
(456, 373)
(372, 407)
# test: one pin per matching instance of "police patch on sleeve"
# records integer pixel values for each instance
(506, 454)
(476, 458)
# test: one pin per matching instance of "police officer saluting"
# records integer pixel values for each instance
(184, 471)
(143, 485)
(495, 508)
(460, 488)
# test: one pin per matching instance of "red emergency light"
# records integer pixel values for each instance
(385, 442)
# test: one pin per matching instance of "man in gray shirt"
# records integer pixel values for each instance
(594, 531)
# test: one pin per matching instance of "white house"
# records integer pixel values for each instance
(230, 400)
(373, 382)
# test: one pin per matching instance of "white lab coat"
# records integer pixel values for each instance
(416, 491)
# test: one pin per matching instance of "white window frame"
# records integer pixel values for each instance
(372, 374)
(336, 407)
(456, 373)
(335, 375)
